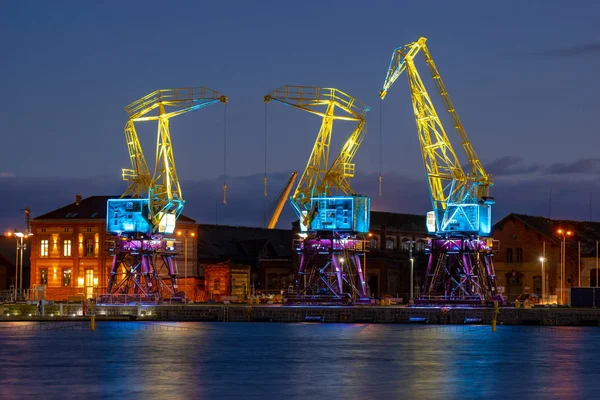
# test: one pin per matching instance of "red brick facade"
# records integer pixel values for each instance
(520, 246)
(68, 253)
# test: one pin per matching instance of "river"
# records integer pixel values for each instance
(296, 361)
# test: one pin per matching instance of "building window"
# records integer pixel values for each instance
(89, 247)
(44, 248)
(373, 244)
(420, 246)
(66, 277)
(88, 229)
(405, 244)
(389, 244)
(217, 285)
(43, 229)
(67, 248)
(44, 278)
(66, 229)
(519, 255)
(508, 256)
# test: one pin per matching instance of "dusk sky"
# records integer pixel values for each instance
(522, 75)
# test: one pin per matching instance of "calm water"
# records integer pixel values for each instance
(292, 361)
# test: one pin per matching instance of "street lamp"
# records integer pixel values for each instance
(542, 259)
(412, 261)
(19, 236)
(185, 236)
(563, 234)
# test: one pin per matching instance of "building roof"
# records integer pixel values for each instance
(4, 261)
(93, 207)
(402, 222)
(243, 244)
(585, 231)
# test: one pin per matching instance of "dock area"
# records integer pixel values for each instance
(546, 316)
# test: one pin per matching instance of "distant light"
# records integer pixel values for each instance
(411, 260)
(569, 233)
(542, 259)
(560, 231)
(342, 259)
(19, 234)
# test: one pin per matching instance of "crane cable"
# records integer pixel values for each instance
(225, 155)
(265, 177)
(380, 145)
(264, 223)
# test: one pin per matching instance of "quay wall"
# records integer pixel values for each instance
(275, 313)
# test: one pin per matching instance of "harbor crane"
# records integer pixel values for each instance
(145, 215)
(333, 219)
(460, 268)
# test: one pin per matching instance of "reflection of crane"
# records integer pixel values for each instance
(281, 201)
(328, 208)
(461, 203)
(150, 206)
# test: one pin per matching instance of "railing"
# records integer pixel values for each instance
(123, 299)
(12, 296)
(307, 96)
(180, 95)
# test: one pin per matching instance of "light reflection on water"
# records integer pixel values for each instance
(309, 361)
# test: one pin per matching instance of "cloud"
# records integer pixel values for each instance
(511, 165)
(581, 50)
(246, 205)
(584, 166)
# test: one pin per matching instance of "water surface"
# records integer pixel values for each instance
(296, 361)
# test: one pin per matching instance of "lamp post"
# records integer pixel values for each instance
(185, 238)
(370, 235)
(412, 262)
(19, 236)
(542, 259)
(563, 234)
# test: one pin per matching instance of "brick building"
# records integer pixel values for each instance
(393, 239)
(267, 252)
(521, 240)
(68, 254)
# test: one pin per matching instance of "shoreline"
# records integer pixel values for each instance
(543, 316)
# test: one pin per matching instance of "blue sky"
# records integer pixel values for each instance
(522, 75)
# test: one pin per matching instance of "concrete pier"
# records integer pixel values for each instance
(551, 316)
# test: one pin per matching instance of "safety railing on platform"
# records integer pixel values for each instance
(14, 296)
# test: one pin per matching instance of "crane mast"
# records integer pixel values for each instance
(460, 268)
(151, 204)
(461, 202)
(332, 216)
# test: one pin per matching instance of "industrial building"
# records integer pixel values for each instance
(69, 254)
(528, 243)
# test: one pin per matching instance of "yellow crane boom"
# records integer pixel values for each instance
(454, 194)
(319, 177)
(163, 189)
(281, 202)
